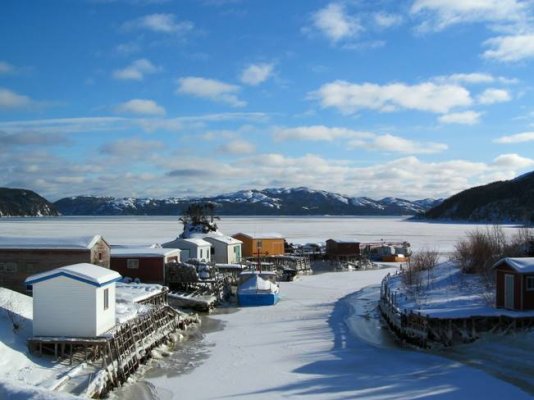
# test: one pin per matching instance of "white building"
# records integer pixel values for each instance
(225, 249)
(75, 301)
(191, 248)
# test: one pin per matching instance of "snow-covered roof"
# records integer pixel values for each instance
(265, 273)
(344, 241)
(84, 272)
(223, 239)
(134, 292)
(195, 241)
(271, 235)
(142, 252)
(48, 243)
(520, 264)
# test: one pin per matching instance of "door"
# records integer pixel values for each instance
(509, 291)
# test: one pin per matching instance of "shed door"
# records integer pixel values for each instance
(509, 291)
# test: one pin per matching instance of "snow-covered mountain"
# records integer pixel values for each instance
(274, 201)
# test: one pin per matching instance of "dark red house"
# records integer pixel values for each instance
(340, 249)
(21, 257)
(144, 263)
(515, 283)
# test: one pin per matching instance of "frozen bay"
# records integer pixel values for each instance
(158, 229)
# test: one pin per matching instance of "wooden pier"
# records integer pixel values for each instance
(120, 353)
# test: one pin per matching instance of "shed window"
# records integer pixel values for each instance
(132, 263)
(530, 282)
(106, 299)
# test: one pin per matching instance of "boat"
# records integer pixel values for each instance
(257, 288)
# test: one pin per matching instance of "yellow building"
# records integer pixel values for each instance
(266, 244)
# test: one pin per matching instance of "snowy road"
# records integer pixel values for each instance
(303, 348)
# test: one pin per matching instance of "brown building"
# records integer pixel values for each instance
(144, 263)
(515, 283)
(21, 257)
(264, 244)
(340, 249)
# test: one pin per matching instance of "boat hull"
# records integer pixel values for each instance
(261, 299)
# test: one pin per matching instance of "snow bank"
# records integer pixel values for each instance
(20, 391)
(446, 292)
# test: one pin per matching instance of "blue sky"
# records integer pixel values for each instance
(148, 98)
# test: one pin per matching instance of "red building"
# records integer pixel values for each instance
(21, 257)
(515, 283)
(144, 263)
(340, 249)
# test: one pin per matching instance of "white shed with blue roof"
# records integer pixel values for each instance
(74, 301)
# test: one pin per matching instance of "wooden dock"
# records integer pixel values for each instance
(120, 353)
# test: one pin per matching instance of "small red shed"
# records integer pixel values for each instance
(515, 283)
(144, 263)
(342, 249)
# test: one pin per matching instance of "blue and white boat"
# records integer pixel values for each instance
(257, 288)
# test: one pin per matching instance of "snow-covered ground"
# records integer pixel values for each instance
(21, 375)
(446, 292)
(313, 345)
(303, 347)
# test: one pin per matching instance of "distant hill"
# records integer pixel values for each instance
(502, 201)
(295, 201)
(24, 203)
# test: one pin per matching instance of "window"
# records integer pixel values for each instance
(530, 282)
(132, 263)
(106, 299)
(10, 267)
(259, 244)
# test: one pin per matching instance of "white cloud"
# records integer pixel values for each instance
(131, 148)
(238, 146)
(465, 118)
(513, 161)
(114, 124)
(510, 48)
(141, 106)
(517, 138)
(474, 77)
(161, 23)
(491, 96)
(334, 22)
(136, 70)
(396, 144)
(256, 73)
(359, 139)
(6, 68)
(385, 20)
(441, 14)
(10, 99)
(210, 89)
(319, 133)
(349, 97)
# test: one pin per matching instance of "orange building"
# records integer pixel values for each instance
(266, 244)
